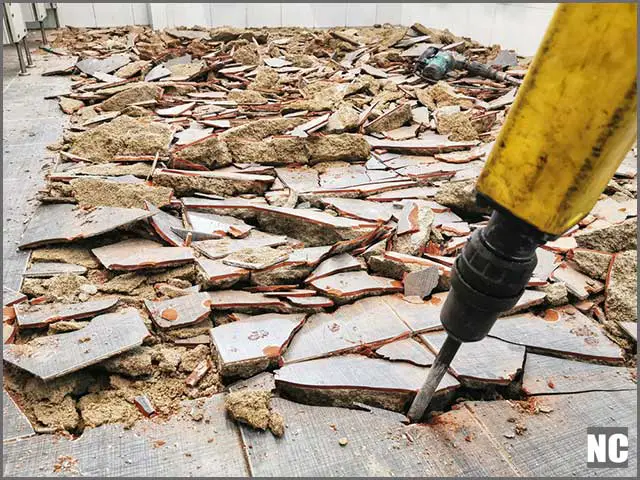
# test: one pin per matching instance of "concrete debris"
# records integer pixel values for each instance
(622, 288)
(90, 192)
(134, 94)
(122, 136)
(593, 263)
(610, 238)
(253, 408)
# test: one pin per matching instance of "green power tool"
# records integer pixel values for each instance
(435, 63)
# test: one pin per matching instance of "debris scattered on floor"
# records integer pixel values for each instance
(253, 407)
(288, 200)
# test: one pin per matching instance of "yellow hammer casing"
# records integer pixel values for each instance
(573, 121)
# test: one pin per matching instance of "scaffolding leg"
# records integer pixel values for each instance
(55, 16)
(43, 33)
(23, 70)
(27, 52)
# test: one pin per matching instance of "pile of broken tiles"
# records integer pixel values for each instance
(289, 201)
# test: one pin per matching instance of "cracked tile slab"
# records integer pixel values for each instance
(63, 223)
(554, 443)
(176, 447)
(549, 375)
(57, 355)
(180, 311)
(630, 328)
(15, 424)
(32, 316)
(211, 223)
(564, 331)
(335, 264)
(349, 286)
(407, 350)
(220, 248)
(163, 223)
(366, 322)
(489, 361)
(413, 193)
(310, 226)
(215, 274)
(11, 296)
(426, 146)
(249, 345)
(91, 66)
(51, 269)
(577, 283)
(378, 445)
(138, 254)
(360, 209)
(243, 301)
(356, 379)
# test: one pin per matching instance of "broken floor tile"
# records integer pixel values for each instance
(220, 248)
(242, 301)
(622, 288)
(250, 345)
(335, 264)
(348, 286)
(199, 372)
(216, 274)
(397, 265)
(478, 363)
(51, 269)
(144, 405)
(414, 228)
(180, 311)
(561, 245)
(563, 331)
(426, 146)
(11, 296)
(312, 227)
(366, 322)
(360, 209)
(211, 223)
(407, 350)
(31, 316)
(164, 223)
(547, 263)
(257, 258)
(105, 65)
(422, 282)
(529, 298)
(548, 375)
(310, 304)
(63, 223)
(349, 379)
(15, 424)
(577, 283)
(413, 193)
(57, 355)
(136, 254)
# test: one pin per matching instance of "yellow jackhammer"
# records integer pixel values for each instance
(572, 123)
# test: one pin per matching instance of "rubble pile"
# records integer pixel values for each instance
(230, 202)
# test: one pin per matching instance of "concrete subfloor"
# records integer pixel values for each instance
(470, 440)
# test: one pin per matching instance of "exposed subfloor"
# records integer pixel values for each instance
(542, 434)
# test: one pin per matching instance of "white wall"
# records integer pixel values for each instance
(519, 26)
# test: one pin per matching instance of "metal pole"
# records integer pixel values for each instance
(23, 70)
(55, 16)
(44, 34)
(27, 52)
